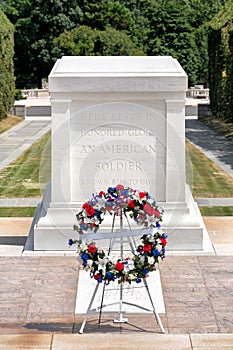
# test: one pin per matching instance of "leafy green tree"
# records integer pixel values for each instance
(7, 85)
(171, 34)
(15, 9)
(106, 13)
(175, 27)
(36, 26)
(85, 41)
(201, 11)
(155, 27)
(221, 62)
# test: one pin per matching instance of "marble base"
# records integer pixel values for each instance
(182, 222)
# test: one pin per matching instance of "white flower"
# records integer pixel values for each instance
(130, 265)
(83, 246)
(130, 277)
(151, 260)
(89, 263)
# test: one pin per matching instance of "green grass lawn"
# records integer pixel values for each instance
(29, 173)
(206, 179)
(9, 122)
(17, 212)
(216, 211)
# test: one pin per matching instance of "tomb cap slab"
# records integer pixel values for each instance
(117, 73)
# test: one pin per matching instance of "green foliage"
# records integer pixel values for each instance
(106, 13)
(7, 85)
(152, 27)
(36, 26)
(171, 34)
(85, 41)
(18, 94)
(221, 63)
(176, 28)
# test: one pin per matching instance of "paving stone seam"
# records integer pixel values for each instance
(210, 301)
(33, 284)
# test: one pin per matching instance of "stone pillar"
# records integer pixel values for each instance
(175, 151)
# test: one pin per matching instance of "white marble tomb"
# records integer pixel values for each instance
(118, 120)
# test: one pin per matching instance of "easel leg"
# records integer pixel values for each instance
(89, 308)
(154, 310)
(101, 306)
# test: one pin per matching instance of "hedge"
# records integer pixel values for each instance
(7, 85)
(221, 63)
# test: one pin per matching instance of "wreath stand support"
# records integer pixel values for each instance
(121, 302)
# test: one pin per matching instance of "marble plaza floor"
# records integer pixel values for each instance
(38, 295)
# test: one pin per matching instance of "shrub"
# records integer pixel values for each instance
(221, 63)
(7, 85)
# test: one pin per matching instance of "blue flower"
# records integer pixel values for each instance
(82, 226)
(138, 280)
(125, 193)
(84, 256)
(163, 235)
(111, 189)
(71, 242)
(109, 203)
(97, 212)
(145, 271)
(110, 276)
(158, 224)
(155, 252)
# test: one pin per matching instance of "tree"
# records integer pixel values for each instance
(7, 85)
(155, 27)
(221, 63)
(103, 14)
(178, 28)
(171, 34)
(85, 41)
(36, 26)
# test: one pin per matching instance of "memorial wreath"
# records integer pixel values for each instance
(139, 206)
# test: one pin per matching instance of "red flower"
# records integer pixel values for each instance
(85, 205)
(157, 213)
(142, 194)
(90, 211)
(119, 266)
(131, 204)
(163, 241)
(147, 247)
(97, 276)
(120, 187)
(147, 208)
(102, 193)
(92, 248)
(141, 216)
